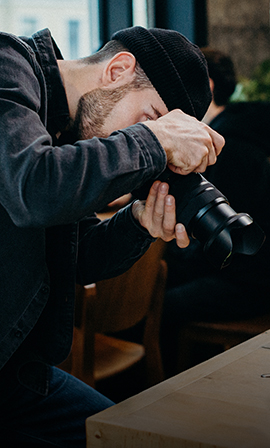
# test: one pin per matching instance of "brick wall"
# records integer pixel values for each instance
(240, 28)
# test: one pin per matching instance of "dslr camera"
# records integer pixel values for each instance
(208, 217)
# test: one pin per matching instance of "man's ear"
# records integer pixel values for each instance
(119, 70)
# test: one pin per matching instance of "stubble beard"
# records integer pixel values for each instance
(93, 109)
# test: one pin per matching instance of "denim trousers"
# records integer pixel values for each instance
(28, 419)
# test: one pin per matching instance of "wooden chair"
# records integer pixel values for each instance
(113, 305)
(224, 334)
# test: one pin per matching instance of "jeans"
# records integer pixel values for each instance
(28, 419)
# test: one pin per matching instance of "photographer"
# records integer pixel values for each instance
(76, 135)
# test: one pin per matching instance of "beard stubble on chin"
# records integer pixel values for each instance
(93, 109)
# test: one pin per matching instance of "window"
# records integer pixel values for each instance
(73, 23)
(29, 26)
(143, 12)
(73, 36)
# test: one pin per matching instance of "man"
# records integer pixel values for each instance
(196, 290)
(63, 158)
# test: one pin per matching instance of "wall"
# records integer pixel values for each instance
(240, 28)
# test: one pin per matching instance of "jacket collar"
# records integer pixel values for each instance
(47, 53)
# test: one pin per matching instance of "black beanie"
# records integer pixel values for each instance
(175, 66)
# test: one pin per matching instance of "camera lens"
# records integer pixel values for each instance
(209, 218)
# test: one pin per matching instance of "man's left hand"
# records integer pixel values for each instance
(157, 215)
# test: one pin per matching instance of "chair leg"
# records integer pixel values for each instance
(154, 364)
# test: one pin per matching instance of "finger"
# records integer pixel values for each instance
(178, 169)
(138, 208)
(212, 156)
(218, 141)
(169, 219)
(182, 238)
(202, 167)
(158, 212)
(151, 198)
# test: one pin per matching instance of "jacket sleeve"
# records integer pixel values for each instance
(43, 185)
(110, 247)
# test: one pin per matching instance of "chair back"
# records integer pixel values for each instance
(123, 301)
(117, 304)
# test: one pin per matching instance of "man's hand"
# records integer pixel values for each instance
(157, 215)
(190, 145)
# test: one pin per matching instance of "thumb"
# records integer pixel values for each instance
(138, 209)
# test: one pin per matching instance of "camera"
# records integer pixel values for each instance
(209, 218)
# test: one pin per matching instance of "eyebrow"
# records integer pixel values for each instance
(156, 111)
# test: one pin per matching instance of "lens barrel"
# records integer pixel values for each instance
(209, 218)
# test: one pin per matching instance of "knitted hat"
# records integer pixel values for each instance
(175, 66)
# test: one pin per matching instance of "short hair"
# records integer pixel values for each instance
(110, 49)
(222, 72)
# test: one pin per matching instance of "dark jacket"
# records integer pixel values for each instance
(242, 174)
(49, 237)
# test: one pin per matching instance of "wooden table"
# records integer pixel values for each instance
(222, 403)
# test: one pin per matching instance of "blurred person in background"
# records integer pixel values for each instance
(197, 290)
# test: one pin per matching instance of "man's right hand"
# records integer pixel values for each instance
(190, 145)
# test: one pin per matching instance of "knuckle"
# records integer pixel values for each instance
(168, 229)
(158, 215)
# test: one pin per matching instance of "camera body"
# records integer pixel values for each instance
(209, 218)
